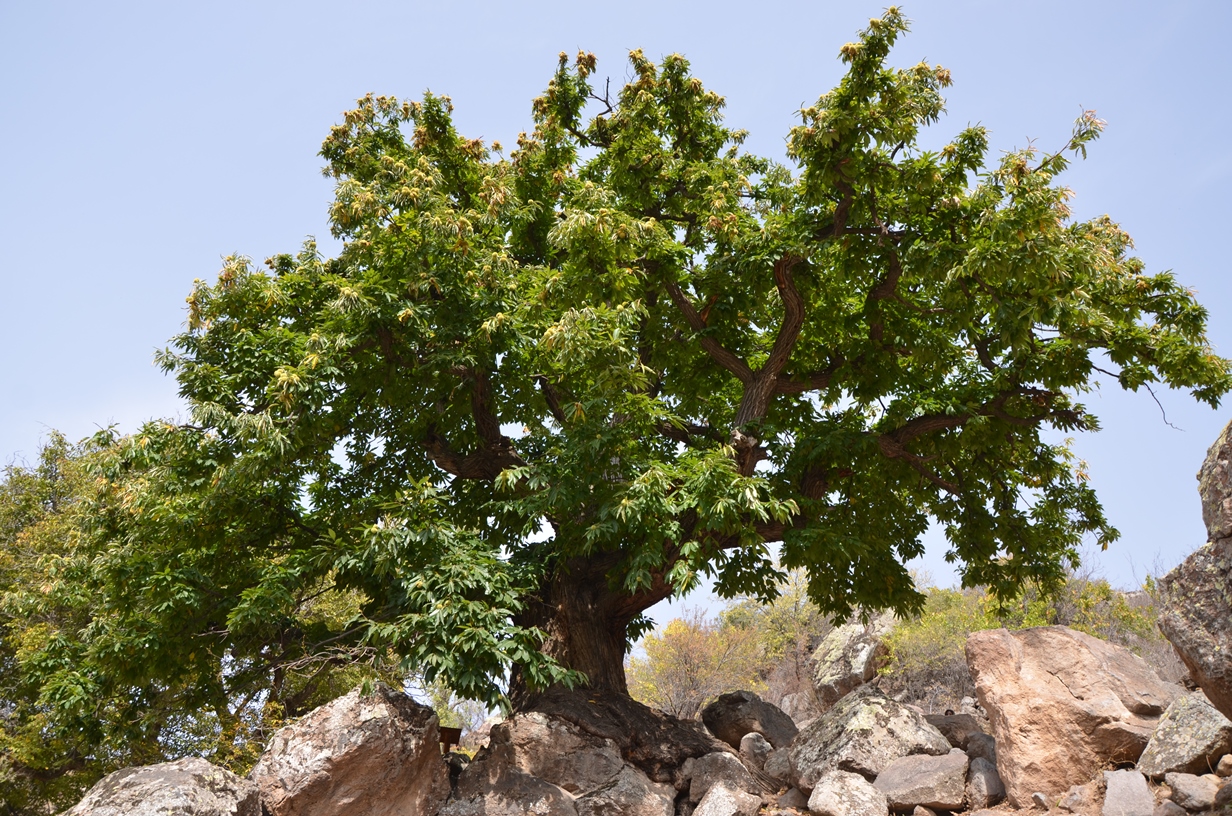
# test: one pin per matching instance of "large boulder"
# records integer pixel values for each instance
(376, 754)
(1193, 792)
(717, 769)
(937, 782)
(577, 753)
(1062, 705)
(737, 713)
(849, 657)
(1196, 617)
(1190, 738)
(984, 785)
(186, 787)
(863, 734)
(723, 801)
(958, 728)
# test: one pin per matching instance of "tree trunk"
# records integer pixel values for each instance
(585, 622)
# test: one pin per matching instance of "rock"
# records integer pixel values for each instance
(793, 799)
(1224, 768)
(656, 743)
(1040, 800)
(982, 745)
(1196, 617)
(862, 734)
(933, 781)
(557, 751)
(1190, 738)
(1167, 808)
(493, 788)
(778, 765)
(739, 712)
(920, 810)
(377, 754)
(1223, 799)
(984, 785)
(957, 728)
(1062, 705)
(186, 787)
(1215, 487)
(717, 769)
(849, 657)
(1126, 794)
(755, 749)
(1191, 791)
(630, 793)
(1079, 799)
(840, 793)
(800, 706)
(721, 800)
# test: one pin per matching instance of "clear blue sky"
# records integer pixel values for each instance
(143, 141)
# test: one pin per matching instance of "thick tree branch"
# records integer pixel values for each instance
(712, 347)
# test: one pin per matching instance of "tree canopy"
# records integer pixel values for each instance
(538, 391)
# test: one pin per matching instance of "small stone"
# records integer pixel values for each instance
(1167, 808)
(755, 749)
(1223, 799)
(1192, 792)
(1224, 768)
(920, 810)
(1039, 800)
(794, 798)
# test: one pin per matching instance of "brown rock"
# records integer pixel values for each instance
(937, 782)
(957, 728)
(737, 713)
(377, 754)
(1062, 705)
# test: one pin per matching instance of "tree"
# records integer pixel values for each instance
(691, 662)
(533, 395)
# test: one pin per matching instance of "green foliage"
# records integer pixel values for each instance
(624, 356)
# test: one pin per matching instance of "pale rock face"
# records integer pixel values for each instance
(376, 755)
(1190, 738)
(1062, 705)
(737, 713)
(863, 734)
(630, 793)
(849, 657)
(840, 793)
(186, 787)
(1126, 794)
(1191, 791)
(755, 749)
(937, 782)
(556, 751)
(714, 769)
(721, 800)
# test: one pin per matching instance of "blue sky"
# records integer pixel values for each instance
(144, 141)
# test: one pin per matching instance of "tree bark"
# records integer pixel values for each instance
(586, 625)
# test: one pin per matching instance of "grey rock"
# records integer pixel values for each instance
(957, 728)
(492, 788)
(737, 713)
(1196, 617)
(862, 734)
(377, 754)
(1079, 799)
(755, 749)
(186, 787)
(1126, 794)
(840, 793)
(630, 793)
(793, 798)
(1191, 791)
(920, 810)
(1040, 800)
(721, 800)
(1215, 487)
(1167, 808)
(1190, 738)
(984, 785)
(849, 657)
(933, 781)
(718, 768)
(982, 745)
(1055, 692)
(1223, 799)
(778, 765)
(800, 706)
